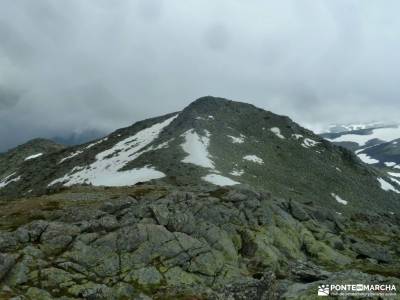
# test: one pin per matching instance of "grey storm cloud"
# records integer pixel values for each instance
(70, 67)
(8, 98)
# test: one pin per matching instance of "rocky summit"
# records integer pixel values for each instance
(222, 200)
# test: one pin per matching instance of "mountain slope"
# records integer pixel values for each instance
(12, 159)
(221, 142)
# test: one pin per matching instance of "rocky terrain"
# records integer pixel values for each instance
(161, 242)
(222, 200)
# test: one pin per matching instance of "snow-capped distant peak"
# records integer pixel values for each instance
(336, 128)
(385, 134)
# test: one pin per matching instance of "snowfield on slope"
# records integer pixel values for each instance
(196, 147)
(106, 169)
(219, 180)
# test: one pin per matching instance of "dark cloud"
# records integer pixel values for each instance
(69, 67)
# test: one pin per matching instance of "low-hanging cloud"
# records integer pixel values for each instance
(74, 66)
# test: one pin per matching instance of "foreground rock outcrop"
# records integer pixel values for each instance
(159, 242)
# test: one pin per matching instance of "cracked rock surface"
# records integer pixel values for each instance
(152, 242)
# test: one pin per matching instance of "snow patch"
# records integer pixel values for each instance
(8, 179)
(219, 180)
(73, 154)
(367, 159)
(394, 174)
(395, 180)
(277, 132)
(237, 172)
(339, 199)
(297, 136)
(308, 143)
(386, 186)
(106, 169)
(205, 118)
(254, 158)
(390, 164)
(34, 156)
(96, 143)
(237, 140)
(197, 149)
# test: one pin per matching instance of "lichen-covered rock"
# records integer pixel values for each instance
(7, 261)
(226, 243)
(35, 293)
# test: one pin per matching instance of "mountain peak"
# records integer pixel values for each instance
(214, 104)
(220, 142)
(40, 141)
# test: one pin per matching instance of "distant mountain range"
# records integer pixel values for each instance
(376, 144)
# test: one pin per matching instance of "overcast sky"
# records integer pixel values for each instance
(71, 66)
